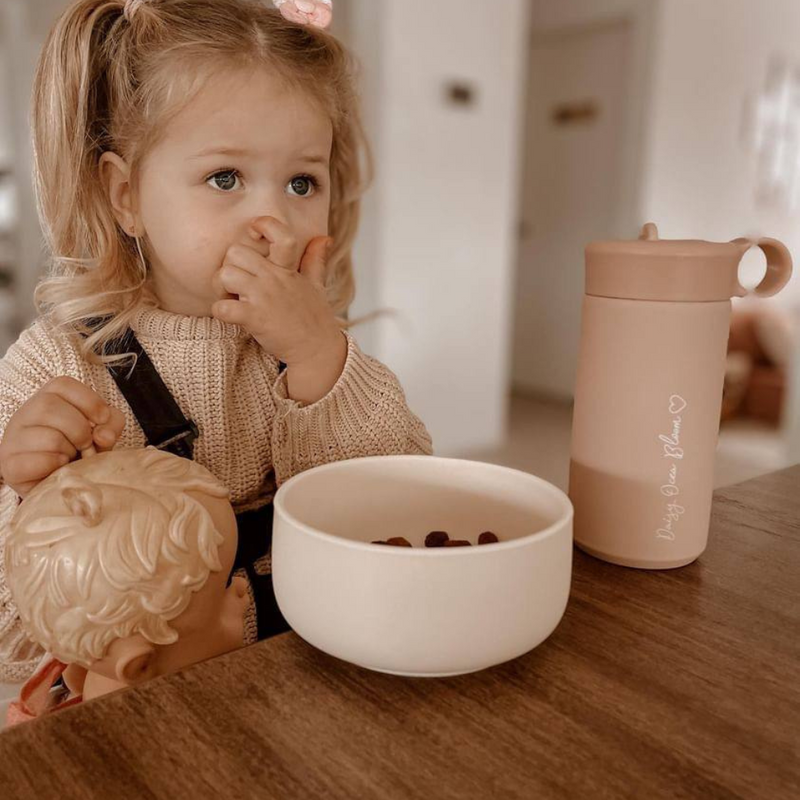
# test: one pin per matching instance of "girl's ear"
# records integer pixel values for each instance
(115, 175)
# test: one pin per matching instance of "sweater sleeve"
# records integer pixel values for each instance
(29, 364)
(364, 414)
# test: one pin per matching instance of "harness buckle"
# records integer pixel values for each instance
(189, 433)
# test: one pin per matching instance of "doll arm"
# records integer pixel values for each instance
(364, 414)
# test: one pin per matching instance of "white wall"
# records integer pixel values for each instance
(361, 32)
(21, 36)
(699, 175)
(5, 110)
(547, 15)
(447, 188)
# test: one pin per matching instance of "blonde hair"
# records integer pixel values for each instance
(113, 560)
(107, 80)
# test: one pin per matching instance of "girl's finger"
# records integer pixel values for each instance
(104, 438)
(218, 289)
(79, 395)
(314, 264)
(27, 468)
(245, 258)
(60, 414)
(235, 311)
(43, 439)
(284, 250)
(236, 280)
(116, 423)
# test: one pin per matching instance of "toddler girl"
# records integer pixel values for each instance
(197, 168)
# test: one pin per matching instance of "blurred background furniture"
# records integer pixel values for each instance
(759, 361)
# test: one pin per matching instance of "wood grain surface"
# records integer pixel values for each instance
(679, 684)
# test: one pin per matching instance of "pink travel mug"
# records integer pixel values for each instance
(648, 397)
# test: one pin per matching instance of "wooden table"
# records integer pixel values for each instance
(682, 683)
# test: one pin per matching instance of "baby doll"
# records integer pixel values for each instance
(118, 564)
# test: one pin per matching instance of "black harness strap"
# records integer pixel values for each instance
(255, 541)
(164, 425)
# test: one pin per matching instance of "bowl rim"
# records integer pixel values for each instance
(566, 517)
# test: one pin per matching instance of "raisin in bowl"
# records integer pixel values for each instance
(421, 611)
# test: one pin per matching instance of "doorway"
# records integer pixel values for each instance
(571, 191)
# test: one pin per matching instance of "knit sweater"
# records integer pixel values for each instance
(253, 437)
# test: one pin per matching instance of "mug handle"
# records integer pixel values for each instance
(779, 267)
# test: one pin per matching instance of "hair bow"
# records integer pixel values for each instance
(317, 13)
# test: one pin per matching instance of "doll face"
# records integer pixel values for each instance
(244, 147)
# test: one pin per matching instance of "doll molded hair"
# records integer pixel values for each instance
(109, 546)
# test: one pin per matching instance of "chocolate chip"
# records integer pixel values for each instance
(440, 539)
(436, 539)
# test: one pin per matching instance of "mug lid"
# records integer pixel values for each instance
(682, 270)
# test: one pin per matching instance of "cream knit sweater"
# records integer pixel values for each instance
(252, 436)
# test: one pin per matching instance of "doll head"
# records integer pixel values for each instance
(162, 128)
(119, 562)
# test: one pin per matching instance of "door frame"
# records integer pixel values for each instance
(641, 21)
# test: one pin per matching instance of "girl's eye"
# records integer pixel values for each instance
(225, 180)
(303, 185)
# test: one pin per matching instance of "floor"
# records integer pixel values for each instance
(539, 439)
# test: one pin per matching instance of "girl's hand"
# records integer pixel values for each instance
(281, 303)
(63, 418)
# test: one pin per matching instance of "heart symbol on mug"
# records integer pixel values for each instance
(676, 404)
